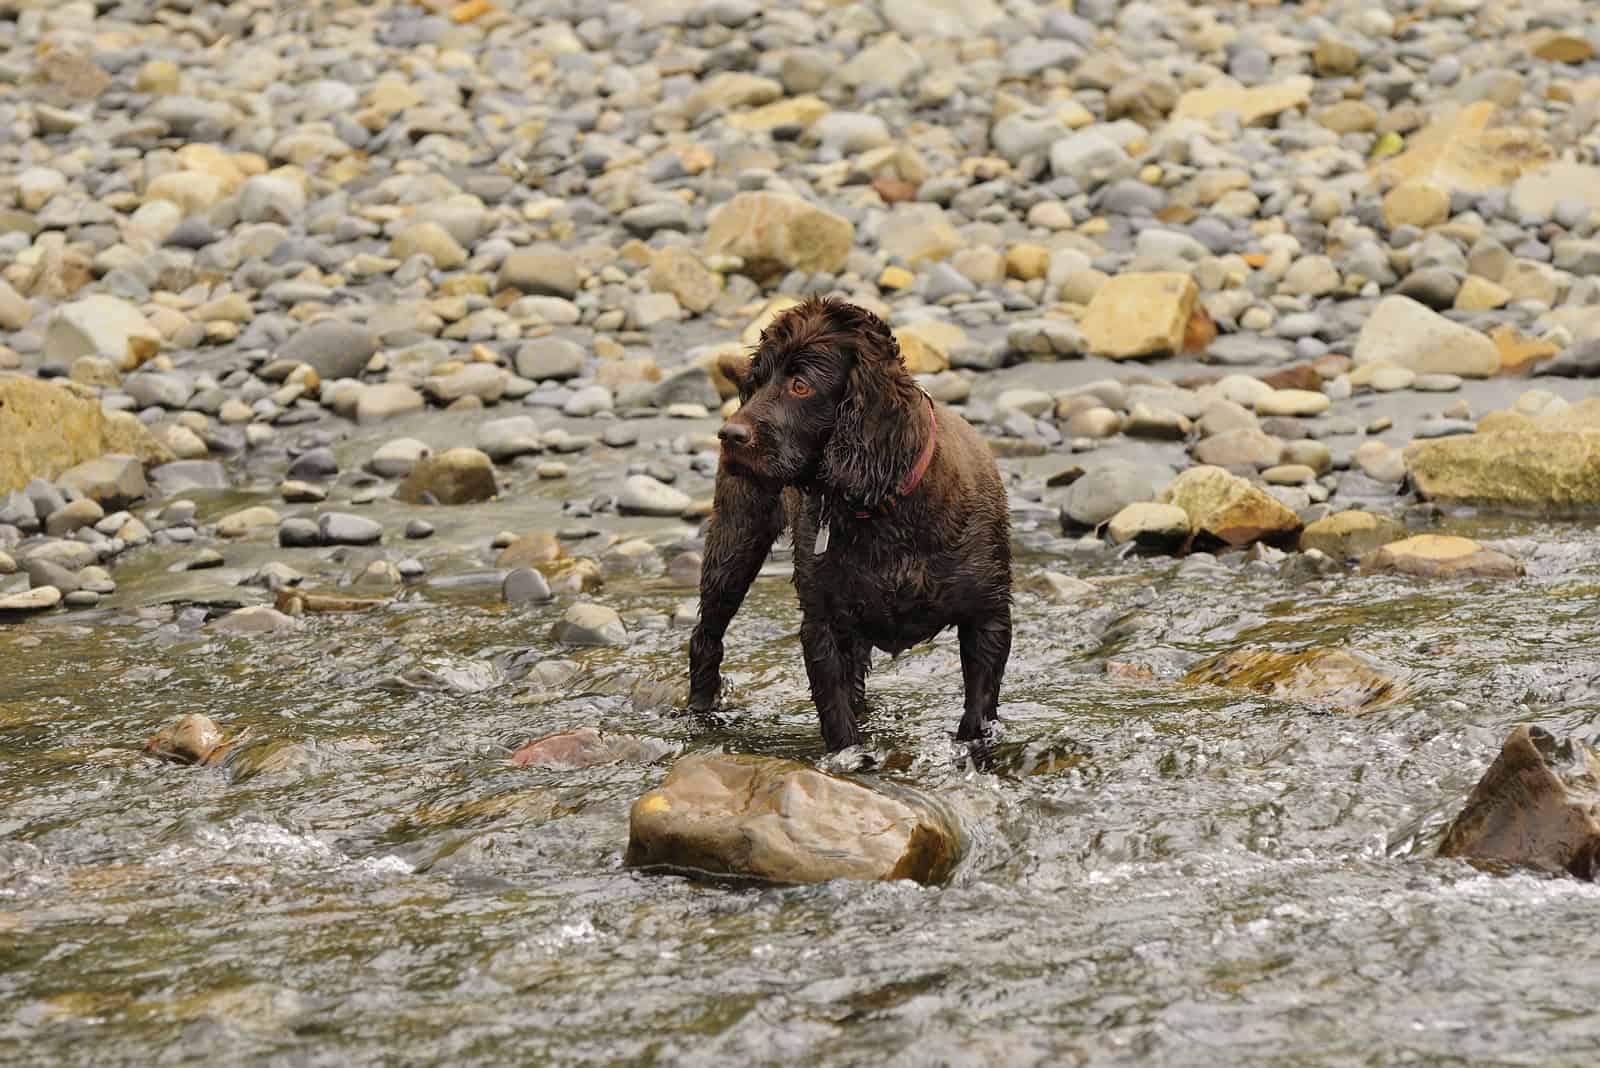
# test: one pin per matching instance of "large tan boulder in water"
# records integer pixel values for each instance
(46, 429)
(774, 820)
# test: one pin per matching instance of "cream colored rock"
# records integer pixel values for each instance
(1466, 149)
(1253, 106)
(782, 821)
(103, 326)
(1293, 402)
(1407, 334)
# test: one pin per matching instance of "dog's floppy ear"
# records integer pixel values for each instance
(879, 429)
(735, 367)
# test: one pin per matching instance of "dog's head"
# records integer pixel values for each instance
(826, 399)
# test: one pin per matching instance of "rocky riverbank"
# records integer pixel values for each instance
(358, 389)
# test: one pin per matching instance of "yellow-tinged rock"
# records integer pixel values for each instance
(46, 429)
(1495, 422)
(1350, 535)
(896, 278)
(470, 11)
(1542, 471)
(1480, 294)
(799, 111)
(1027, 261)
(1416, 202)
(919, 356)
(1556, 46)
(1518, 352)
(751, 334)
(1140, 314)
(1440, 556)
(1253, 106)
(712, 361)
(1229, 509)
(1462, 150)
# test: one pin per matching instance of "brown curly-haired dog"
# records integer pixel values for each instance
(897, 509)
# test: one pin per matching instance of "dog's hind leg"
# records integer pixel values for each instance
(829, 669)
(746, 518)
(985, 648)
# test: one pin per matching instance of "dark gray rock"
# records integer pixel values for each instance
(342, 528)
(335, 349)
(524, 585)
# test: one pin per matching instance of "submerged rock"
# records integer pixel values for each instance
(587, 747)
(587, 623)
(772, 820)
(194, 739)
(1322, 676)
(1538, 806)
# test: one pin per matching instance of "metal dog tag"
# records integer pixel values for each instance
(822, 539)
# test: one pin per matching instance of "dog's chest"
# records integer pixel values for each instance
(868, 579)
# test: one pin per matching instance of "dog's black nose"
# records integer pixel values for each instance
(736, 434)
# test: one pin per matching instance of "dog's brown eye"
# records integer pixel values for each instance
(799, 387)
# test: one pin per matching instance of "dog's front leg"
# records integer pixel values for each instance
(829, 670)
(746, 518)
(985, 648)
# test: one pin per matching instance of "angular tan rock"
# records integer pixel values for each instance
(1408, 334)
(774, 233)
(772, 820)
(1228, 509)
(1140, 314)
(1253, 106)
(801, 111)
(1350, 535)
(1538, 806)
(1417, 202)
(1547, 472)
(103, 326)
(1440, 556)
(1463, 150)
(1322, 676)
(678, 271)
(46, 429)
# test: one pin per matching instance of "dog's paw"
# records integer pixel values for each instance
(855, 758)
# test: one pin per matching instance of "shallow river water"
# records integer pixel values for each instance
(1156, 872)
